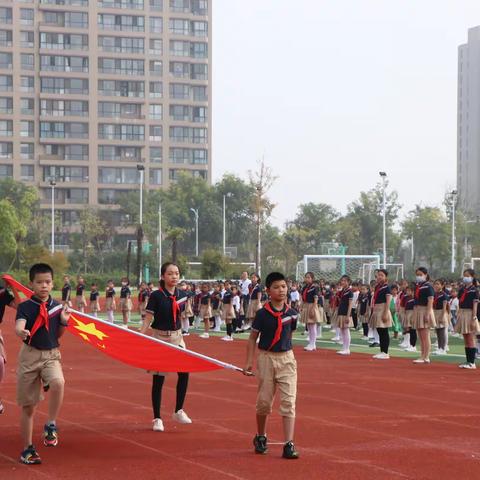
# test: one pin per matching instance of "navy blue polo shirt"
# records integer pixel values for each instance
(125, 292)
(216, 300)
(143, 295)
(345, 298)
(266, 324)
(110, 293)
(409, 302)
(5, 299)
(423, 291)
(43, 339)
(363, 301)
(467, 297)
(160, 306)
(204, 298)
(439, 300)
(66, 290)
(380, 294)
(255, 291)
(80, 289)
(227, 297)
(94, 295)
(309, 293)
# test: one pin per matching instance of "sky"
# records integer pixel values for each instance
(329, 93)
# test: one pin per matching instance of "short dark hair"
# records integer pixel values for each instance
(274, 277)
(39, 268)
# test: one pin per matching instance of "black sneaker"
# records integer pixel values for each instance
(289, 451)
(260, 444)
(30, 456)
(50, 436)
(374, 344)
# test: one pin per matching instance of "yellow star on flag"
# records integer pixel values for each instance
(89, 329)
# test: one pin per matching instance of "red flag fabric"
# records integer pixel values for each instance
(130, 347)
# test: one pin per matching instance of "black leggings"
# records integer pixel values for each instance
(384, 339)
(365, 329)
(413, 337)
(157, 385)
(442, 338)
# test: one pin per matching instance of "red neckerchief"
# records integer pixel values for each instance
(278, 316)
(464, 294)
(376, 293)
(417, 290)
(41, 320)
(251, 289)
(435, 299)
(306, 289)
(175, 306)
(345, 291)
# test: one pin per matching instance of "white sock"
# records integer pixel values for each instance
(185, 325)
(446, 337)
(319, 331)
(218, 322)
(370, 332)
(376, 336)
(312, 334)
(346, 338)
(407, 339)
(339, 332)
(95, 314)
(110, 316)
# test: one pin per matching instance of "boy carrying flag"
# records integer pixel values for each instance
(276, 364)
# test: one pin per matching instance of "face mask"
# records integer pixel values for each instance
(124, 284)
(420, 278)
(467, 279)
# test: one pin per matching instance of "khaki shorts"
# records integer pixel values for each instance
(174, 337)
(34, 367)
(277, 370)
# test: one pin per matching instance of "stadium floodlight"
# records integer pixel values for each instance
(53, 184)
(383, 175)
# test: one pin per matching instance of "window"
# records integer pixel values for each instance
(180, 69)
(156, 68)
(179, 48)
(27, 39)
(199, 50)
(121, 88)
(6, 60)
(155, 111)
(179, 26)
(156, 89)
(200, 93)
(67, 152)
(126, 23)
(156, 24)
(26, 16)
(27, 61)
(6, 150)
(155, 176)
(180, 113)
(199, 174)
(180, 91)
(199, 71)
(61, 41)
(118, 175)
(121, 66)
(64, 85)
(63, 130)
(109, 196)
(27, 151)
(156, 154)
(5, 15)
(6, 171)
(73, 3)
(27, 84)
(200, 29)
(27, 128)
(27, 106)
(123, 110)
(199, 135)
(121, 44)
(180, 6)
(6, 83)
(69, 217)
(66, 19)
(129, 4)
(27, 173)
(200, 114)
(188, 135)
(6, 128)
(200, 7)
(156, 132)
(60, 108)
(156, 46)
(156, 5)
(65, 174)
(119, 153)
(112, 131)
(6, 38)
(60, 63)
(6, 105)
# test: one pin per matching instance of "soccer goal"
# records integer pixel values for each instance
(395, 271)
(332, 267)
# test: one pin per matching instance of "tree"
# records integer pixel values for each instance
(214, 264)
(175, 235)
(12, 230)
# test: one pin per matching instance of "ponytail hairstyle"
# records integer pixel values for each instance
(311, 275)
(442, 282)
(347, 278)
(424, 271)
(164, 269)
(471, 272)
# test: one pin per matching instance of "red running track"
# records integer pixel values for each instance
(357, 419)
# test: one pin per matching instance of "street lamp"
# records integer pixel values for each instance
(225, 223)
(141, 170)
(195, 212)
(384, 214)
(454, 201)
(159, 240)
(52, 186)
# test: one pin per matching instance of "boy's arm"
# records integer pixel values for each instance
(20, 330)
(251, 344)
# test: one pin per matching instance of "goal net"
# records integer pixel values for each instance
(395, 271)
(332, 267)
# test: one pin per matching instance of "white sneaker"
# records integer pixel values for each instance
(123, 326)
(335, 339)
(158, 425)
(410, 348)
(310, 348)
(343, 352)
(181, 417)
(365, 339)
(226, 338)
(217, 330)
(468, 366)
(204, 335)
(447, 349)
(421, 360)
(381, 356)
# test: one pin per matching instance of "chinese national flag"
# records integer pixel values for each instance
(128, 346)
